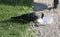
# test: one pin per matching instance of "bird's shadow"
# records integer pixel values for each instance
(40, 7)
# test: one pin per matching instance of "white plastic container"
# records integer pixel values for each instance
(45, 20)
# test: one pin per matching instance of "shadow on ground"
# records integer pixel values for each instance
(40, 7)
(17, 2)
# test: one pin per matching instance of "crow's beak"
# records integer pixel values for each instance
(42, 15)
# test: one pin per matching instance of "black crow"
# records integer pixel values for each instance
(28, 17)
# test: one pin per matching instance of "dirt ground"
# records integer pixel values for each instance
(50, 30)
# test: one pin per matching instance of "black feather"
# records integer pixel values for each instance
(29, 17)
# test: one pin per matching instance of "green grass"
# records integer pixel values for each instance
(10, 28)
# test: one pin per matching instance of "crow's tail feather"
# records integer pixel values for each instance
(17, 17)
